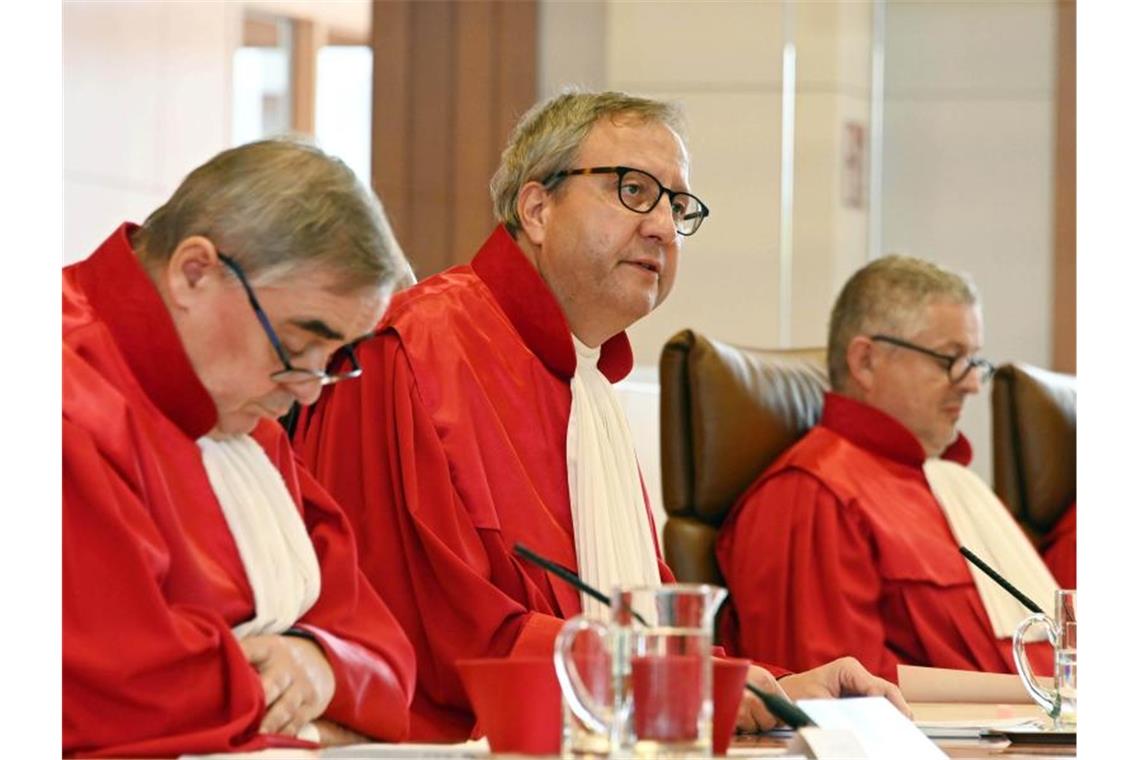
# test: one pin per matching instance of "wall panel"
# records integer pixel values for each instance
(450, 80)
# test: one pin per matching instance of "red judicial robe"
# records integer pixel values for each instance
(152, 580)
(449, 449)
(1059, 549)
(840, 548)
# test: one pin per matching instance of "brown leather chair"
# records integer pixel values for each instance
(1035, 444)
(727, 412)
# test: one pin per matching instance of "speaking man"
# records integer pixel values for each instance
(487, 414)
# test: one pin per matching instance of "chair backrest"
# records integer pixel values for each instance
(1035, 444)
(727, 412)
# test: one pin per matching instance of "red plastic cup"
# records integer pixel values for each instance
(517, 703)
(728, 689)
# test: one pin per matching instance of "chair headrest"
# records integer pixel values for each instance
(727, 412)
(1035, 442)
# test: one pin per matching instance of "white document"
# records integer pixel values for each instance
(920, 684)
(750, 753)
(828, 744)
(468, 749)
(881, 731)
(970, 729)
(274, 753)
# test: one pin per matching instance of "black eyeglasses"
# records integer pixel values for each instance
(639, 191)
(343, 356)
(957, 367)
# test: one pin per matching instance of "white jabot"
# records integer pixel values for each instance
(983, 525)
(612, 535)
(271, 539)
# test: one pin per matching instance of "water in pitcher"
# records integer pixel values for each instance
(1066, 675)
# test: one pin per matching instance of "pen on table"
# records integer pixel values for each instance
(781, 708)
(978, 563)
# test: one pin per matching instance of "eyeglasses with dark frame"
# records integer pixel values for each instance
(291, 374)
(957, 367)
(635, 192)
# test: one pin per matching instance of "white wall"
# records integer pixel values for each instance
(723, 62)
(571, 45)
(146, 98)
(968, 165)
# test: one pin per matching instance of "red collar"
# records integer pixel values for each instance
(882, 434)
(127, 302)
(530, 306)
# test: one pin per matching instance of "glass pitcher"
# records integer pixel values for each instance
(1061, 702)
(659, 643)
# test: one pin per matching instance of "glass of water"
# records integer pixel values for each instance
(1061, 701)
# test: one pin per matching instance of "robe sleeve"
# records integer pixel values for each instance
(800, 568)
(452, 583)
(371, 658)
(140, 676)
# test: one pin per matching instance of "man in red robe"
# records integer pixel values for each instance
(486, 414)
(842, 547)
(212, 599)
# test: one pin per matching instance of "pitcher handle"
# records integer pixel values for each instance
(597, 717)
(1050, 701)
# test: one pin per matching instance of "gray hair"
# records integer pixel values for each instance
(279, 207)
(888, 296)
(547, 139)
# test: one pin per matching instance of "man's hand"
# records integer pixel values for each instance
(752, 716)
(845, 677)
(297, 679)
(335, 735)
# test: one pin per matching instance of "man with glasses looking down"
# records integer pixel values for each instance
(486, 414)
(212, 600)
(853, 533)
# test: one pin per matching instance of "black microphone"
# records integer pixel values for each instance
(783, 709)
(978, 563)
(562, 572)
(570, 577)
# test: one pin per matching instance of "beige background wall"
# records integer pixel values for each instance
(146, 97)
